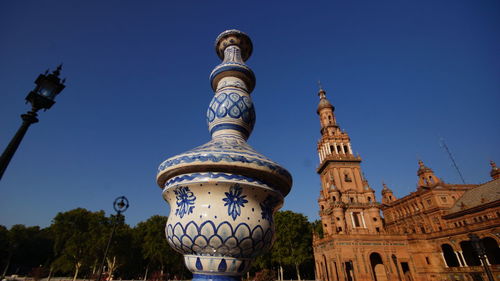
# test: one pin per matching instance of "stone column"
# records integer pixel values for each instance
(444, 260)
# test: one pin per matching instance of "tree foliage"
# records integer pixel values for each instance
(291, 255)
(155, 249)
(79, 239)
(25, 248)
(293, 244)
(74, 245)
(317, 228)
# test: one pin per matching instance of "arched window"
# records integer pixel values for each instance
(332, 149)
(492, 250)
(449, 256)
(346, 149)
(334, 198)
(339, 149)
(395, 261)
(326, 268)
(369, 199)
(347, 178)
(322, 271)
(356, 216)
(470, 255)
(378, 268)
(349, 270)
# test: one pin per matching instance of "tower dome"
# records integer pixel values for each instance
(495, 172)
(323, 101)
(426, 177)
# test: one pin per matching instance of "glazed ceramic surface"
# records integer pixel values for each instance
(223, 194)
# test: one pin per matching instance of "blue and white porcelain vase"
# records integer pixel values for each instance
(223, 194)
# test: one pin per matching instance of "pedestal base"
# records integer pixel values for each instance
(204, 277)
(217, 268)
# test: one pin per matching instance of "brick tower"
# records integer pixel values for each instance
(355, 245)
(347, 202)
(423, 236)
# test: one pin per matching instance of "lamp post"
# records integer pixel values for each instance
(48, 86)
(478, 246)
(120, 205)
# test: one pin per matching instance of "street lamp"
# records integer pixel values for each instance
(120, 205)
(48, 86)
(478, 246)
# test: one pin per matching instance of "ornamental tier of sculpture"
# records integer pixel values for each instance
(223, 194)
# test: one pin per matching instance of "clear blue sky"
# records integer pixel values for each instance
(401, 74)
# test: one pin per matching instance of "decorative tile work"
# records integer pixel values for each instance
(234, 201)
(185, 201)
(223, 239)
(224, 192)
(192, 177)
(233, 105)
(223, 157)
(267, 206)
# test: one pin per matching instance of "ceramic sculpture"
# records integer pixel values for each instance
(223, 194)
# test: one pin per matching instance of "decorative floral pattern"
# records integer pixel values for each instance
(185, 201)
(267, 206)
(214, 246)
(225, 239)
(200, 176)
(234, 201)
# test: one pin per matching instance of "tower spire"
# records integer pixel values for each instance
(385, 188)
(325, 112)
(340, 168)
(387, 194)
(495, 172)
(426, 177)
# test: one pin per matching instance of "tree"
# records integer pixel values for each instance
(5, 253)
(79, 239)
(155, 249)
(317, 228)
(293, 245)
(124, 254)
(27, 248)
(265, 275)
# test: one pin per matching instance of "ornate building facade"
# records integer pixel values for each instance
(422, 236)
